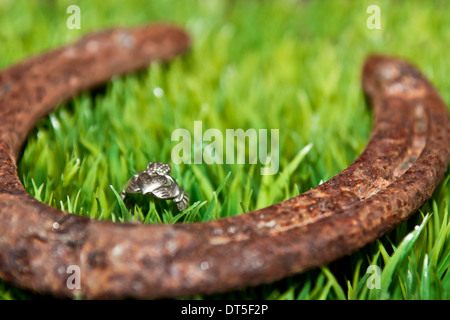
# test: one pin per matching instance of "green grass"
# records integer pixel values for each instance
(288, 65)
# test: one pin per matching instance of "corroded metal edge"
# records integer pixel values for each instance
(401, 166)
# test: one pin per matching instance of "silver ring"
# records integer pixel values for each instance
(156, 181)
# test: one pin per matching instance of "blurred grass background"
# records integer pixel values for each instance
(288, 65)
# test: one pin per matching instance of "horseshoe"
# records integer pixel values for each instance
(404, 161)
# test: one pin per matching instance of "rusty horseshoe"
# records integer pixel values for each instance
(404, 161)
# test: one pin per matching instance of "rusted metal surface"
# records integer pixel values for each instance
(402, 164)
